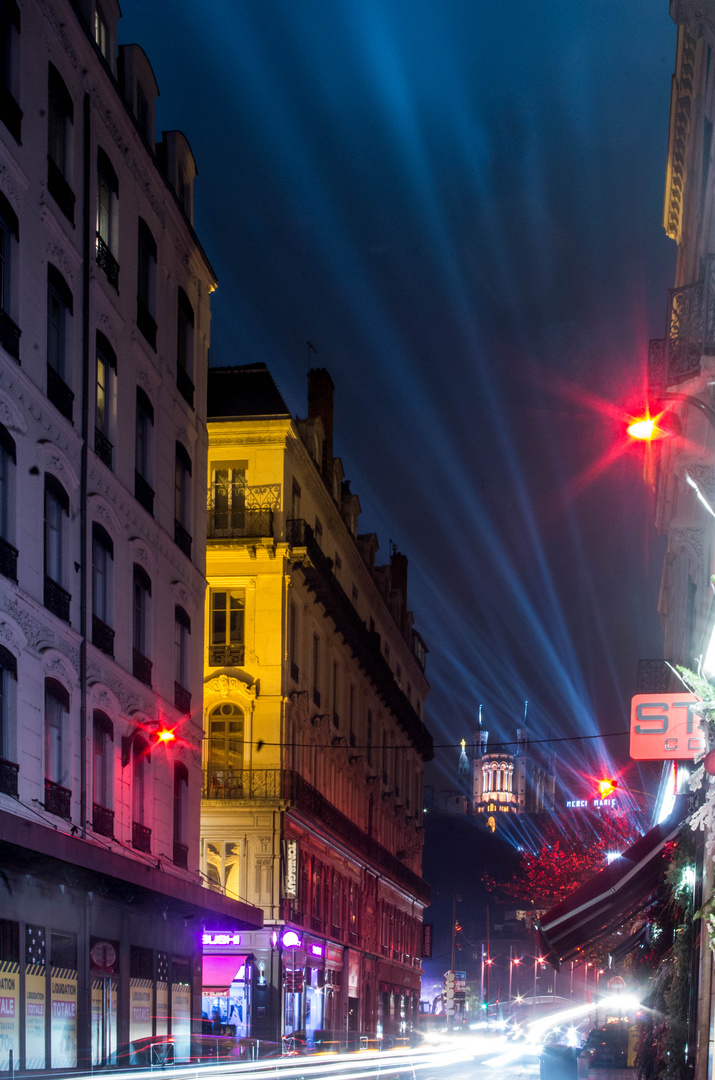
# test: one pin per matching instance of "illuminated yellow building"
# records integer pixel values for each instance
(315, 741)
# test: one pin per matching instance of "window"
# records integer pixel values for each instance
(102, 582)
(295, 500)
(316, 670)
(143, 491)
(107, 218)
(369, 736)
(101, 32)
(226, 644)
(60, 116)
(146, 283)
(9, 236)
(182, 500)
(228, 499)
(351, 717)
(185, 348)
(142, 112)
(141, 635)
(57, 704)
(225, 752)
(8, 553)
(57, 507)
(59, 315)
(182, 647)
(141, 834)
(10, 112)
(104, 399)
(336, 713)
(8, 705)
(337, 902)
(102, 774)
(293, 641)
(318, 530)
(181, 807)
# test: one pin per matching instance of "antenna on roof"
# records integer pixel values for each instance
(311, 348)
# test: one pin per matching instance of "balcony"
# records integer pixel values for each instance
(59, 393)
(248, 513)
(103, 820)
(107, 263)
(182, 699)
(57, 600)
(58, 800)
(185, 386)
(272, 785)
(690, 329)
(10, 114)
(8, 777)
(103, 448)
(145, 323)
(182, 538)
(227, 655)
(181, 856)
(144, 493)
(141, 837)
(320, 580)
(141, 667)
(102, 636)
(8, 560)
(10, 336)
(60, 190)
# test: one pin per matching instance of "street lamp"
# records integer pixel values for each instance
(537, 960)
(513, 962)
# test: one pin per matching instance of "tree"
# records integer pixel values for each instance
(573, 849)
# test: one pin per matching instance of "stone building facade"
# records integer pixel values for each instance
(315, 738)
(104, 333)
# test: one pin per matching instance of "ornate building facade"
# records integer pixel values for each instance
(511, 783)
(104, 332)
(315, 738)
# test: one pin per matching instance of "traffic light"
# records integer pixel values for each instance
(607, 787)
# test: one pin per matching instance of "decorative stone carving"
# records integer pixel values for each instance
(12, 636)
(689, 537)
(225, 685)
(704, 477)
(10, 415)
(54, 460)
(265, 842)
(58, 256)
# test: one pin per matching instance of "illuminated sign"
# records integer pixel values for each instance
(220, 937)
(291, 940)
(317, 950)
(664, 727)
(584, 804)
(290, 869)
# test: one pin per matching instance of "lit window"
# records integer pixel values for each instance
(104, 399)
(228, 499)
(225, 751)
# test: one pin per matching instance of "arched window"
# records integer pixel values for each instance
(59, 315)
(141, 833)
(8, 553)
(225, 765)
(104, 399)
(102, 589)
(182, 651)
(57, 508)
(181, 815)
(142, 665)
(102, 773)
(57, 736)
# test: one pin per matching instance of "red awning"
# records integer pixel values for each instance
(218, 972)
(611, 897)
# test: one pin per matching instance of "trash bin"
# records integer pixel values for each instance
(558, 1063)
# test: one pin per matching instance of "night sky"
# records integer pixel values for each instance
(459, 204)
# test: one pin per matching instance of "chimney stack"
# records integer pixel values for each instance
(320, 403)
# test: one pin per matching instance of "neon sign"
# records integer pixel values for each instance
(583, 804)
(220, 937)
(291, 940)
(317, 950)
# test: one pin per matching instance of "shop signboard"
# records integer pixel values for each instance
(664, 727)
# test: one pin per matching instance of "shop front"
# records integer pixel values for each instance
(225, 986)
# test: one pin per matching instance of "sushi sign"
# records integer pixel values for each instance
(665, 727)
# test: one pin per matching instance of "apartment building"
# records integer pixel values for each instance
(104, 333)
(314, 716)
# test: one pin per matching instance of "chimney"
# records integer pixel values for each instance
(320, 403)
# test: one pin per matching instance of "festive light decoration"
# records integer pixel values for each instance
(607, 787)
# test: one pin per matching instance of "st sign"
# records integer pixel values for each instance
(665, 728)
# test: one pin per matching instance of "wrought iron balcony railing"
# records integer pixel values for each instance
(60, 190)
(144, 493)
(182, 538)
(690, 331)
(146, 323)
(102, 820)
(103, 448)
(184, 385)
(107, 263)
(10, 113)
(57, 600)
(141, 667)
(8, 560)
(59, 393)
(10, 336)
(58, 800)
(318, 575)
(227, 655)
(244, 512)
(141, 837)
(222, 783)
(182, 698)
(181, 855)
(102, 636)
(8, 777)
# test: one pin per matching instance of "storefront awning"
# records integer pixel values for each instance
(218, 972)
(611, 897)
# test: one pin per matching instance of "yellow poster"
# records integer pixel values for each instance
(63, 997)
(9, 1013)
(162, 1008)
(35, 1016)
(181, 1020)
(140, 1008)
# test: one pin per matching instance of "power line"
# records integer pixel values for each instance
(340, 744)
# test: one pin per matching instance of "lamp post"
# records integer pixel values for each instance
(513, 962)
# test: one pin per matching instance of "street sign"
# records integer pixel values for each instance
(665, 728)
(617, 983)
